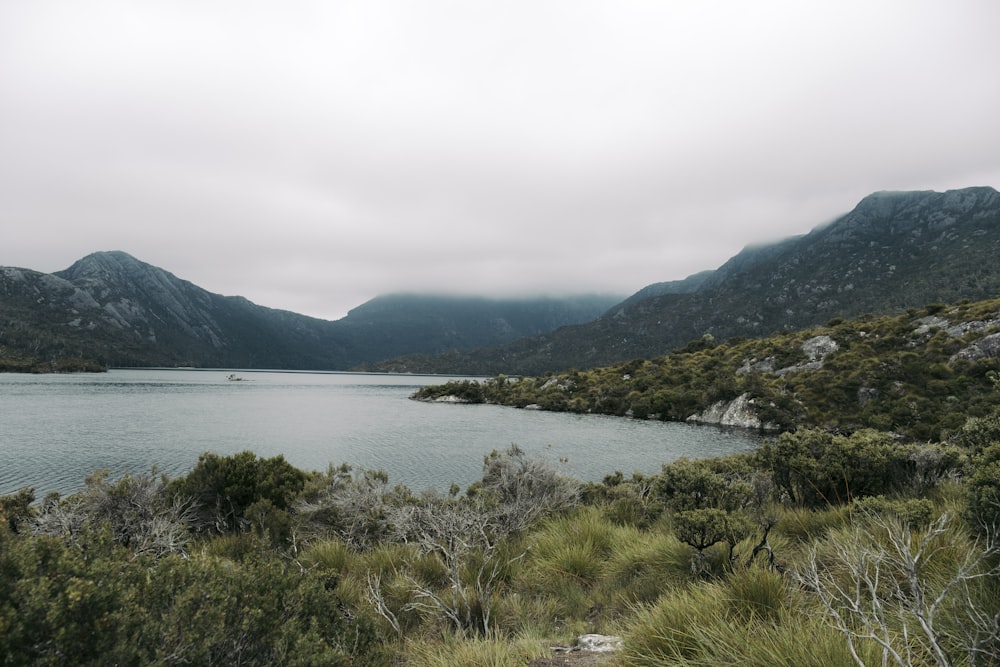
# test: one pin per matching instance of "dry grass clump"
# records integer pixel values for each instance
(463, 652)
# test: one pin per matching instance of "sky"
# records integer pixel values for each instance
(310, 156)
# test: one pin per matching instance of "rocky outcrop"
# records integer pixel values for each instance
(816, 350)
(741, 412)
(987, 347)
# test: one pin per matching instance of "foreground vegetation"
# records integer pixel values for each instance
(870, 548)
(826, 546)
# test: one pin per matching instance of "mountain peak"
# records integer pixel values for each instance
(102, 265)
(889, 203)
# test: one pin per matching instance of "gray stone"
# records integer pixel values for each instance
(987, 347)
(598, 643)
(739, 412)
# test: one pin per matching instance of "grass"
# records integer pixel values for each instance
(458, 652)
(640, 570)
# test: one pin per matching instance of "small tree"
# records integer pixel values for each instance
(708, 505)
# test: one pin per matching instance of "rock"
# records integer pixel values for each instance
(819, 347)
(926, 324)
(765, 365)
(816, 349)
(987, 347)
(598, 643)
(739, 412)
(450, 398)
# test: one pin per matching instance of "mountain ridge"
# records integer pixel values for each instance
(113, 308)
(893, 251)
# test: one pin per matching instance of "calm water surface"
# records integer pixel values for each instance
(57, 429)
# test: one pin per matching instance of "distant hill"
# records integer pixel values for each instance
(894, 251)
(118, 311)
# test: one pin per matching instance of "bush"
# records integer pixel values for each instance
(223, 489)
(135, 509)
(984, 491)
(815, 468)
(15, 509)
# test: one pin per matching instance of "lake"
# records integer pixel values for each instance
(57, 429)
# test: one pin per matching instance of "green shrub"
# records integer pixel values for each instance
(224, 488)
(914, 511)
(815, 468)
(15, 509)
(984, 491)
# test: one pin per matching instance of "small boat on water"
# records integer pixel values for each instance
(233, 377)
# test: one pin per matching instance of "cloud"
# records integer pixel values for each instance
(312, 155)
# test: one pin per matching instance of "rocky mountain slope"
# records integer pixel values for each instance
(895, 250)
(120, 311)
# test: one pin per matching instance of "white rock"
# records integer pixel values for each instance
(598, 643)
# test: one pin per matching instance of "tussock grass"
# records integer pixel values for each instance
(641, 570)
(805, 525)
(802, 641)
(755, 618)
(386, 559)
(329, 555)
(455, 652)
(574, 549)
(758, 593)
(235, 546)
(587, 524)
(671, 631)
(519, 614)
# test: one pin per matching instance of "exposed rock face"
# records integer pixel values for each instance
(819, 347)
(739, 412)
(816, 349)
(987, 347)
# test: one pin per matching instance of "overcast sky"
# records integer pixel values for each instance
(312, 155)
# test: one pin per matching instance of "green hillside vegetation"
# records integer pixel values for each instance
(918, 375)
(864, 533)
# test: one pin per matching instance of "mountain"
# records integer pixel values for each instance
(119, 311)
(398, 323)
(894, 251)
